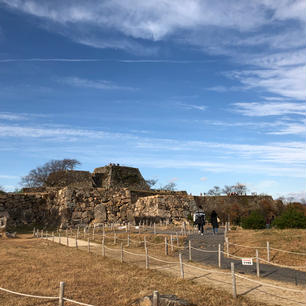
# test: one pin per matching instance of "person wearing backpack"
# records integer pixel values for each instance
(199, 219)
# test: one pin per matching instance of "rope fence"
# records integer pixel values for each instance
(180, 264)
(60, 297)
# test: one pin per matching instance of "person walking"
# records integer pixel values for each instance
(214, 219)
(199, 219)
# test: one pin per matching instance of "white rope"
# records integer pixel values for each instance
(246, 246)
(30, 295)
(72, 301)
(284, 266)
(137, 254)
(116, 250)
(168, 262)
(206, 270)
(258, 247)
(228, 254)
(265, 284)
(205, 251)
(304, 254)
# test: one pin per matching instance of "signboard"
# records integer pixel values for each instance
(247, 261)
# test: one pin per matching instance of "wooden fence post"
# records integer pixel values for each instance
(181, 265)
(145, 242)
(155, 299)
(257, 264)
(177, 240)
(147, 258)
(59, 237)
(171, 242)
(154, 228)
(166, 246)
(67, 239)
(115, 238)
(219, 255)
(76, 241)
(128, 240)
(227, 246)
(103, 247)
(121, 257)
(88, 244)
(233, 280)
(61, 294)
(189, 246)
(34, 232)
(268, 251)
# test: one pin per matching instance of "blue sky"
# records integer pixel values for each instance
(201, 93)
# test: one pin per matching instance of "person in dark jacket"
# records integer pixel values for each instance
(214, 221)
(199, 219)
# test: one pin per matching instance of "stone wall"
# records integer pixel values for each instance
(169, 207)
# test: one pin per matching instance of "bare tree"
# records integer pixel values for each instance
(170, 186)
(215, 191)
(227, 189)
(240, 189)
(151, 182)
(37, 177)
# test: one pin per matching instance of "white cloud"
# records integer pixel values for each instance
(203, 179)
(193, 106)
(100, 84)
(12, 117)
(256, 109)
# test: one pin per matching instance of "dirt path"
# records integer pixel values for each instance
(197, 272)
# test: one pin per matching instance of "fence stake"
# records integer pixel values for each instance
(219, 255)
(121, 257)
(171, 242)
(177, 240)
(268, 251)
(147, 258)
(128, 240)
(76, 241)
(145, 242)
(67, 239)
(181, 265)
(42, 234)
(233, 280)
(61, 294)
(155, 299)
(257, 264)
(34, 232)
(189, 245)
(227, 246)
(103, 247)
(59, 237)
(166, 246)
(139, 229)
(154, 228)
(88, 244)
(115, 238)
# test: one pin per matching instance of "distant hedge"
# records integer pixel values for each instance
(290, 218)
(254, 221)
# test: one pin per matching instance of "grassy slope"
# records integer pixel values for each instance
(32, 266)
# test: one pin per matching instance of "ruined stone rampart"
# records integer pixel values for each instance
(111, 194)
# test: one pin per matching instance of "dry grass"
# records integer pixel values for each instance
(36, 267)
(290, 240)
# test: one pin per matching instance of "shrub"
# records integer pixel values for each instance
(290, 218)
(254, 221)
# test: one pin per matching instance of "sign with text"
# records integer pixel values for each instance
(247, 261)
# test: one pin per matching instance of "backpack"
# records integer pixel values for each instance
(199, 218)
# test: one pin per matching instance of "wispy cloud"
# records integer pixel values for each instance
(256, 109)
(12, 117)
(99, 84)
(193, 106)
